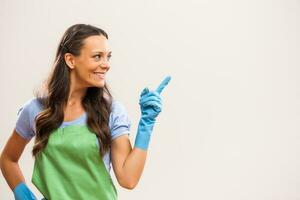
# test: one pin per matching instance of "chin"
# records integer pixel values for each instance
(100, 85)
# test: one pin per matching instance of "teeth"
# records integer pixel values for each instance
(101, 75)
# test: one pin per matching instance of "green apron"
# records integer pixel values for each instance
(70, 167)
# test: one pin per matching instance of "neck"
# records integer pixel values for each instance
(76, 94)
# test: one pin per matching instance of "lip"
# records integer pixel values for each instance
(99, 75)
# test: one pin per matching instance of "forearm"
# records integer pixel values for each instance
(11, 172)
(133, 166)
(136, 158)
(150, 104)
(135, 161)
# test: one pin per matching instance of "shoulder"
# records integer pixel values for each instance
(119, 120)
(25, 118)
(32, 106)
(117, 106)
(118, 109)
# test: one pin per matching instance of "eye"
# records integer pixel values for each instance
(97, 56)
(109, 57)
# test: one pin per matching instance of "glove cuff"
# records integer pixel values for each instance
(21, 191)
(144, 132)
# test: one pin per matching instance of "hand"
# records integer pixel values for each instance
(22, 192)
(151, 102)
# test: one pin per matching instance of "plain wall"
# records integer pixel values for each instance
(229, 128)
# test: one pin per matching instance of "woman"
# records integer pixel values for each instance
(79, 128)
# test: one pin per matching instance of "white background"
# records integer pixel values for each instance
(229, 128)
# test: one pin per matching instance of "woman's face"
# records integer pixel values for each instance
(93, 62)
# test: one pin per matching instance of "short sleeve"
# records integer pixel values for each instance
(24, 122)
(119, 121)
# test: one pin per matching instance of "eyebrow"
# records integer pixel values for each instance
(101, 52)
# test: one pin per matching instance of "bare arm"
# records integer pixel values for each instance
(128, 163)
(10, 157)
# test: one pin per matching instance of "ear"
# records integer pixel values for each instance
(69, 59)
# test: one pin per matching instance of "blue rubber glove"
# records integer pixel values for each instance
(22, 192)
(150, 105)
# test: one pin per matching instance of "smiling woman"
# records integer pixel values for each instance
(93, 61)
(79, 128)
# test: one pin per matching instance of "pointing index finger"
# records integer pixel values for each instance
(163, 84)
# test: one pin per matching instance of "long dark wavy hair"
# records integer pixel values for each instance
(53, 94)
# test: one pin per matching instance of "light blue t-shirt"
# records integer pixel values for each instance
(119, 122)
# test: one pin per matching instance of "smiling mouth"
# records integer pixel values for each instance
(99, 75)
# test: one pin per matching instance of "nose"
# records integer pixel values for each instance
(105, 65)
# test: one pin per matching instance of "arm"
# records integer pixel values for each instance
(10, 157)
(10, 167)
(129, 163)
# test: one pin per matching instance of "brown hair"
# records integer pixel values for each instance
(53, 95)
